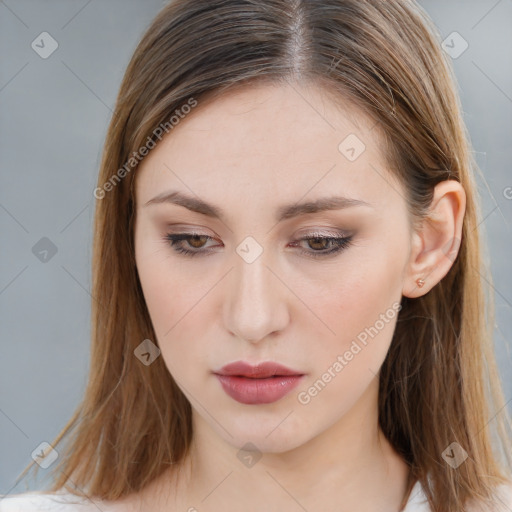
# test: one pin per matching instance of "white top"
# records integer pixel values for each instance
(67, 502)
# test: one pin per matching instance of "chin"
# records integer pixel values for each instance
(268, 435)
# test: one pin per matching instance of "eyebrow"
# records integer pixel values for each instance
(284, 212)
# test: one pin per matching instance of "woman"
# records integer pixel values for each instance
(288, 308)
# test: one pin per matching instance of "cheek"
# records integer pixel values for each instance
(358, 301)
(167, 287)
(353, 294)
(170, 311)
(361, 305)
(173, 299)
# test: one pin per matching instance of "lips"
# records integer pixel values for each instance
(259, 384)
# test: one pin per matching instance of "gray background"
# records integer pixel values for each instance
(53, 119)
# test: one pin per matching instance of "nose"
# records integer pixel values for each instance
(256, 303)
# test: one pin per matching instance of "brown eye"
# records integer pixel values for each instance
(319, 243)
(193, 244)
(197, 241)
(190, 244)
(323, 246)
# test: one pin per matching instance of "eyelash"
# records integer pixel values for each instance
(175, 239)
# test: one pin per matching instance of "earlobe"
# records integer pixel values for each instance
(437, 241)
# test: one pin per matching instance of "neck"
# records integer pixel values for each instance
(349, 466)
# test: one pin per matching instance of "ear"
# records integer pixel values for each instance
(435, 244)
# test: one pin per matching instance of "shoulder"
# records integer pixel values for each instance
(504, 496)
(502, 500)
(418, 502)
(51, 502)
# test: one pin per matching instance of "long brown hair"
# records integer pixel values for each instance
(439, 382)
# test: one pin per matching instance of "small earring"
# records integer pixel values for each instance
(420, 282)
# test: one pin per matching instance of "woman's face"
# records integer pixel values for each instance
(263, 282)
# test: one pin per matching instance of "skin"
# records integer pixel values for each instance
(250, 152)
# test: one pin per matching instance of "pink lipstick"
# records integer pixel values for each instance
(262, 383)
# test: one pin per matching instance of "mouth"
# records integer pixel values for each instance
(257, 384)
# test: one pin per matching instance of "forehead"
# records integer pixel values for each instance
(268, 141)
